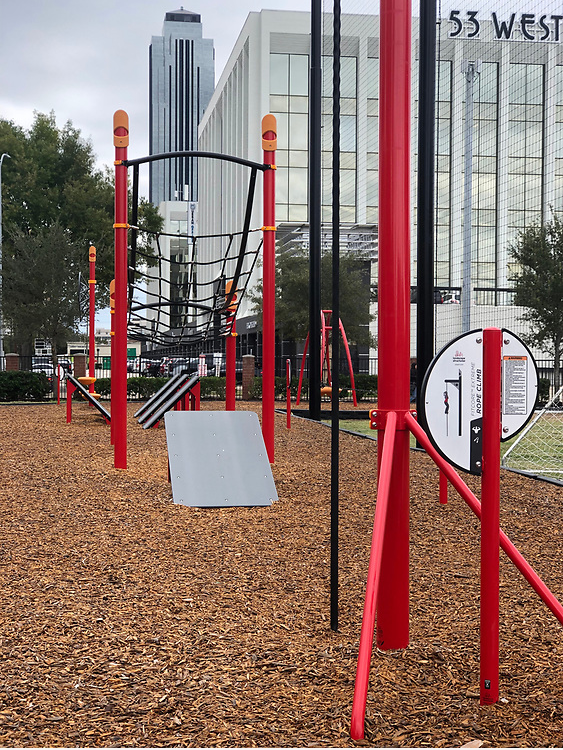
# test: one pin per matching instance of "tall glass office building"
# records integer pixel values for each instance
(515, 134)
(181, 82)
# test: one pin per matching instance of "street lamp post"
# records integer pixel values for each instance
(1, 326)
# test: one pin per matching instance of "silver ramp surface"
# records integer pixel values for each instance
(218, 459)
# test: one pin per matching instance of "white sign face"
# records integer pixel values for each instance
(519, 384)
(452, 396)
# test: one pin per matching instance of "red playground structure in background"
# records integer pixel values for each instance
(327, 329)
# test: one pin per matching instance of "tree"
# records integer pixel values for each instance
(40, 285)
(292, 293)
(538, 283)
(52, 182)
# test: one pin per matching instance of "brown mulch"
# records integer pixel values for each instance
(126, 620)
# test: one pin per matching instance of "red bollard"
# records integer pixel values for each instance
(288, 391)
(443, 489)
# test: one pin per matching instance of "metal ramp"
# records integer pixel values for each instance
(218, 459)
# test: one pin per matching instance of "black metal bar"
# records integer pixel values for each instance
(335, 322)
(202, 154)
(134, 221)
(425, 209)
(244, 239)
(315, 197)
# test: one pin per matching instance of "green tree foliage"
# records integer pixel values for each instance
(292, 293)
(51, 182)
(538, 251)
(40, 285)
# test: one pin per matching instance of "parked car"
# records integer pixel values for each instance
(152, 369)
(66, 364)
(46, 370)
(452, 298)
(182, 364)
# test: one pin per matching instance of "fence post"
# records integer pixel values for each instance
(12, 362)
(248, 370)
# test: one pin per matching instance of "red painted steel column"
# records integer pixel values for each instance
(119, 359)
(269, 145)
(111, 350)
(231, 382)
(373, 587)
(490, 520)
(231, 352)
(394, 309)
(288, 392)
(92, 331)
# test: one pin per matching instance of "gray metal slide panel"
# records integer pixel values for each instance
(169, 403)
(218, 459)
(88, 396)
(157, 395)
(162, 395)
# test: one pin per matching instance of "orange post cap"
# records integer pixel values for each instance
(269, 133)
(121, 129)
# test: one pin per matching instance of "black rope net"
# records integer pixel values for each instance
(177, 298)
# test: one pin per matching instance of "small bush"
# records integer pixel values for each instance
(543, 390)
(366, 385)
(255, 390)
(143, 388)
(213, 387)
(19, 385)
(103, 387)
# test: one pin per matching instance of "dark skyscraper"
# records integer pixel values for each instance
(181, 82)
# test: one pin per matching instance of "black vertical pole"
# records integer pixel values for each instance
(335, 322)
(315, 83)
(425, 203)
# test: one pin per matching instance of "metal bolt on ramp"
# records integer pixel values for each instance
(218, 459)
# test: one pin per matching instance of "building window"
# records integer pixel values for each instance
(526, 146)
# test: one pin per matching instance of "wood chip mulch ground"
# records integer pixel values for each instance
(126, 620)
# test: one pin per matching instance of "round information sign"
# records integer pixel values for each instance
(452, 396)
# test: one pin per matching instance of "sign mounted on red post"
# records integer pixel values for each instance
(452, 396)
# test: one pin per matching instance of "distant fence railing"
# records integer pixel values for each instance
(365, 371)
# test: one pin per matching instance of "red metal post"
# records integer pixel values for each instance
(231, 352)
(195, 397)
(119, 358)
(269, 145)
(288, 391)
(349, 358)
(512, 553)
(111, 338)
(300, 383)
(92, 321)
(490, 521)
(69, 391)
(394, 308)
(373, 586)
(443, 489)
(324, 346)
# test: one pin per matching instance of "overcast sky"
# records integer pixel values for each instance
(83, 60)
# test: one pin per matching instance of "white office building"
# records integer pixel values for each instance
(516, 133)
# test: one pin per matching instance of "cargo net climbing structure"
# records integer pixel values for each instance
(183, 290)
